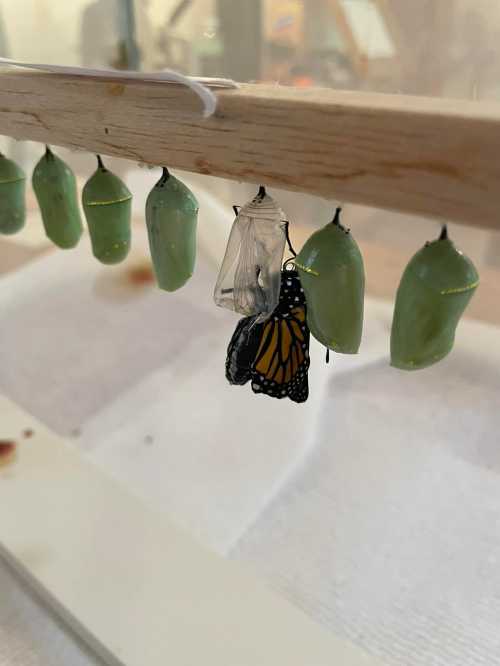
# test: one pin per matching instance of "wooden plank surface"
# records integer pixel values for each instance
(135, 587)
(433, 157)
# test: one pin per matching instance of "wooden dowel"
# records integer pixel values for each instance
(433, 157)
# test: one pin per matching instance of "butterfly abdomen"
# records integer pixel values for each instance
(242, 351)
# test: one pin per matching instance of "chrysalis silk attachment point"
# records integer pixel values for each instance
(434, 291)
(249, 278)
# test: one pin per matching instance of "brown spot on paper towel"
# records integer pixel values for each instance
(7, 452)
(141, 275)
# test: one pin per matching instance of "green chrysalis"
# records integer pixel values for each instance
(107, 203)
(332, 275)
(12, 197)
(55, 188)
(171, 218)
(435, 289)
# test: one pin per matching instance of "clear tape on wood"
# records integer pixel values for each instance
(201, 86)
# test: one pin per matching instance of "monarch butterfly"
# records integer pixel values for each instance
(12, 197)
(333, 277)
(435, 289)
(171, 218)
(55, 188)
(274, 354)
(249, 278)
(107, 203)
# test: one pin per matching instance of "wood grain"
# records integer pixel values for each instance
(432, 157)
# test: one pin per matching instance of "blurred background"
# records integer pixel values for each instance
(427, 48)
(376, 506)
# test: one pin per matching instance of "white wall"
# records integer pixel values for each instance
(49, 30)
(44, 30)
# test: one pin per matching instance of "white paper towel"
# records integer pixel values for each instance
(390, 534)
(73, 336)
(140, 375)
(375, 506)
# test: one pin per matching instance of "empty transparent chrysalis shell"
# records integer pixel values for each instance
(250, 276)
